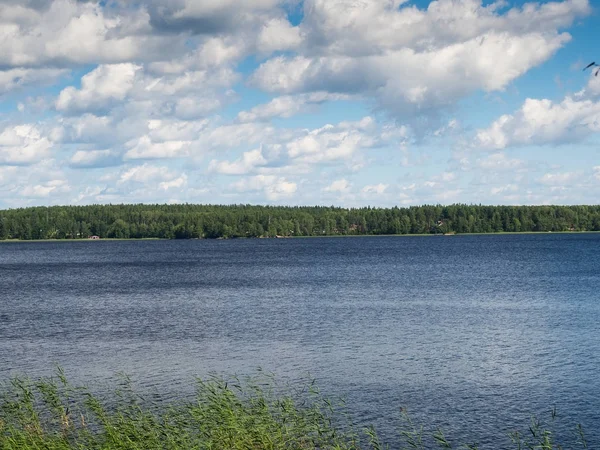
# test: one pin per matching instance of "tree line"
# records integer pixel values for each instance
(187, 221)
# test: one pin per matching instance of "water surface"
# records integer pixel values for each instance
(471, 333)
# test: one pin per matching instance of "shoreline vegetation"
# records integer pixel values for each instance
(188, 221)
(254, 413)
(496, 233)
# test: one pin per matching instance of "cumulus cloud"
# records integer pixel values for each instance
(99, 88)
(277, 35)
(209, 16)
(44, 190)
(6, 174)
(13, 79)
(68, 32)
(187, 82)
(287, 106)
(23, 145)
(176, 183)
(561, 178)
(331, 143)
(303, 151)
(422, 87)
(152, 177)
(165, 139)
(41, 182)
(87, 128)
(342, 186)
(274, 188)
(339, 25)
(503, 190)
(500, 162)
(412, 60)
(162, 80)
(145, 148)
(247, 163)
(592, 89)
(85, 159)
(235, 135)
(540, 122)
(374, 189)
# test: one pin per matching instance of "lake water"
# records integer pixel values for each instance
(470, 333)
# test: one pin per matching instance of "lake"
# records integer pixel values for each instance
(470, 333)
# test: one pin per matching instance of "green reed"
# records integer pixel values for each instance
(256, 413)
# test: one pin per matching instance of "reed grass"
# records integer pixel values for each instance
(253, 414)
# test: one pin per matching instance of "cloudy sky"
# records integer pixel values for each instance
(345, 102)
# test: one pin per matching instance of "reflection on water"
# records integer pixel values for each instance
(472, 333)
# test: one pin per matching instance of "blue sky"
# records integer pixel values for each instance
(345, 102)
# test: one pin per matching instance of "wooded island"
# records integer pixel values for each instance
(188, 221)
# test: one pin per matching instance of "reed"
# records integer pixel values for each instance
(256, 413)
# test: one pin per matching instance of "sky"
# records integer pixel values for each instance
(288, 102)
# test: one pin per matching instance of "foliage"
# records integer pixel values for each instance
(231, 221)
(258, 413)
(51, 414)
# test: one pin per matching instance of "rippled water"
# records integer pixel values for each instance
(471, 333)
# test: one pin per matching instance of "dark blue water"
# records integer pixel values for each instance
(470, 333)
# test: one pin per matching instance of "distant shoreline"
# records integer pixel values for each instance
(191, 221)
(304, 237)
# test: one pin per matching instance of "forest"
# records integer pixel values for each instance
(189, 221)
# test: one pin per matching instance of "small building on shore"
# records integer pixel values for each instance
(94, 237)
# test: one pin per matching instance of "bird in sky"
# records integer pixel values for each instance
(593, 64)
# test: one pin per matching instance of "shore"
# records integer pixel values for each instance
(252, 413)
(499, 233)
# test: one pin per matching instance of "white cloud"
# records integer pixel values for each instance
(447, 177)
(247, 163)
(209, 16)
(163, 79)
(281, 189)
(274, 188)
(233, 136)
(94, 158)
(187, 82)
(23, 144)
(376, 189)
(468, 66)
(217, 52)
(13, 79)
(86, 128)
(593, 87)
(165, 139)
(147, 173)
(299, 151)
(6, 174)
(145, 148)
(278, 34)
(506, 189)
(169, 130)
(195, 107)
(330, 143)
(540, 122)
(563, 178)
(214, 52)
(342, 186)
(175, 183)
(287, 106)
(104, 85)
(44, 190)
(413, 60)
(72, 32)
(500, 162)
(448, 196)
